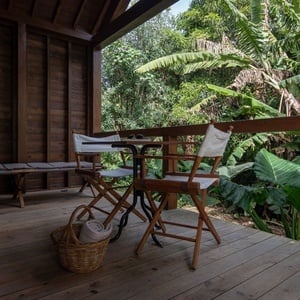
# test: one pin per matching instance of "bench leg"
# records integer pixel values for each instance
(18, 189)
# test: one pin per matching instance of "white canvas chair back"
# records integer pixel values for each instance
(79, 145)
(194, 184)
(103, 182)
(214, 143)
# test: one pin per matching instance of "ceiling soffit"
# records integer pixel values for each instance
(98, 21)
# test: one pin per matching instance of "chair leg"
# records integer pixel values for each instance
(201, 208)
(119, 206)
(154, 209)
(105, 190)
(83, 186)
(126, 204)
(202, 218)
(101, 193)
(150, 228)
(197, 243)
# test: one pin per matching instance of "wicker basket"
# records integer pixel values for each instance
(73, 255)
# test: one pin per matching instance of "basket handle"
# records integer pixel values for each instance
(69, 234)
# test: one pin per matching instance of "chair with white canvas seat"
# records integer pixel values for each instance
(104, 182)
(191, 183)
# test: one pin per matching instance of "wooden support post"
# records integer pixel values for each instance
(21, 154)
(170, 165)
(95, 113)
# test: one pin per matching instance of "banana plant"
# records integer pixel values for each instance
(262, 54)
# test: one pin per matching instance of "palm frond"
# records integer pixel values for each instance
(217, 61)
(233, 171)
(289, 15)
(172, 60)
(245, 99)
(204, 102)
(251, 38)
(237, 194)
(193, 61)
(256, 11)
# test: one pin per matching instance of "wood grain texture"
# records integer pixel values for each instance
(248, 264)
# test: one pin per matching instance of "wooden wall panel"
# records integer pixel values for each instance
(7, 98)
(57, 103)
(36, 104)
(6, 94)
(78, 88)
(57, 100)
(52, 100)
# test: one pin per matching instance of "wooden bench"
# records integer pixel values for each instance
(20, 170)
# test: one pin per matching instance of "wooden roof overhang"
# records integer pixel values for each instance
(99, 22)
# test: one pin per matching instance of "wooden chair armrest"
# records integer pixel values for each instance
(196, 175)
(169, 156)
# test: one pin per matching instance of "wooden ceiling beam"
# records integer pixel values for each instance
(58, 8)
(109, 13)
(139, 13)
(122, 6)
(44, 25)
(10, 5)
(100, 17)
(34, 7)
(79, 14)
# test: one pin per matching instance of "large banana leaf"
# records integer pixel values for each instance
(245, 99)
(240, 195)
(237, 153)
(193, 61)
(268, 167)
(293, 196)
(232, 171)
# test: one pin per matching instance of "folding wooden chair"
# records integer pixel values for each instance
(103, 182)
(192, 183)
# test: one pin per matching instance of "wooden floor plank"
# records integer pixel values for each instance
(288, 289)
(218, 285)
(248, 264)
(261, 284)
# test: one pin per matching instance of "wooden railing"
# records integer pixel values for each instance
(246, 126)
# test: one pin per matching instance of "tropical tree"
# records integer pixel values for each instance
(128, 99)
(262, 54)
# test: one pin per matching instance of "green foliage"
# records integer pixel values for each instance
(248, 106)
(188, 62)
(184, 111)
(125, 94)
(247, 147)
(231, 60)
(292, 84)
(268, 167)
(277, 188)
(254, 46)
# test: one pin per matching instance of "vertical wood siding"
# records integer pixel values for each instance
(7, 99)
(6, 93)
(56, 101)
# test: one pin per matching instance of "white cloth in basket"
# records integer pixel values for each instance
(93, 231)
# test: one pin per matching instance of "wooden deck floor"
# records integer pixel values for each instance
(249, 264)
